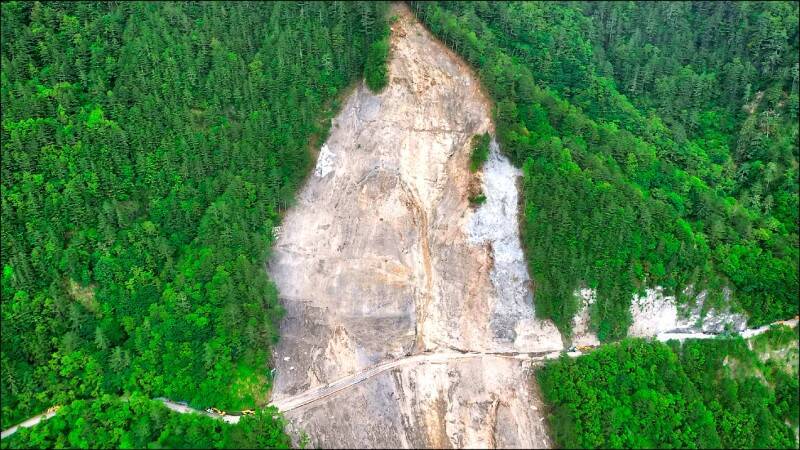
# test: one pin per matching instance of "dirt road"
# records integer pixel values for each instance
(290, 403)
(312, 395)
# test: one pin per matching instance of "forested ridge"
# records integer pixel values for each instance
(138, 422)
(700, 394)
(148, 148)
(659, 145)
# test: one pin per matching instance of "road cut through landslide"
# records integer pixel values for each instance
(322, 392)
(384, 268)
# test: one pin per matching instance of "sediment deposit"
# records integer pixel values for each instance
(383, 257)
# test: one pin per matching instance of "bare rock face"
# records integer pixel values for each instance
(474, 403)
(659, 316)
(383, 258)
(655, 314)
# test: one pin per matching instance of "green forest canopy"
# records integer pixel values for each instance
(138, 422)
(702, 394)
(658, 141)
(148, 149)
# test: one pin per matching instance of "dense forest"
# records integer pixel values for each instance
(138, 422)
(701, 394)
(148, 149)
(659, 145)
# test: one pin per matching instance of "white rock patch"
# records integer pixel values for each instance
(325, 162)
(581, 324)
(496, 222)
(656, 314)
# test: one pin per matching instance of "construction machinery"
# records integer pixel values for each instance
(216, 411)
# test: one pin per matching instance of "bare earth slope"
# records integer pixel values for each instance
(383, 258)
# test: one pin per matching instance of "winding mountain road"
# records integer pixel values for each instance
(312, 395)
(27, 424)
(320, 392)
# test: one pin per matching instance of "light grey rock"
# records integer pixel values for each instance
(383, 257)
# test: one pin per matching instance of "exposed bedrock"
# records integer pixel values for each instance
(383, 257)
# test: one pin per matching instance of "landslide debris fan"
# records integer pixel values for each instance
(658, 145)
(383, 260)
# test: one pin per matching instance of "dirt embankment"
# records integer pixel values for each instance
(383, 257)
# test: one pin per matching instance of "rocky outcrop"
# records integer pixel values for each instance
(659, 316)
(383, 257)
(656, 313)
(473, 403)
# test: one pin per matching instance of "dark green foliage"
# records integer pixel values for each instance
(640, 394)
(477, 200)
(664, 183)
(480, 151)
(375, 69)
(745, 409)
(148, 149)
(777, 336)
(376, 66)
(787, 397)
(141, 423)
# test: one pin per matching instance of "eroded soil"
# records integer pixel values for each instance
(383, 258)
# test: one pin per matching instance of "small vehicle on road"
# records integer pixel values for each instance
(215, 411)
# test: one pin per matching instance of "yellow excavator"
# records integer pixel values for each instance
(52, 409)
(219, 412)
(216, 411)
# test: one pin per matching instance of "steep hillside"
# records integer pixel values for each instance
(674, 188)
(147, 151)
(385, 258)
(721, 393)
